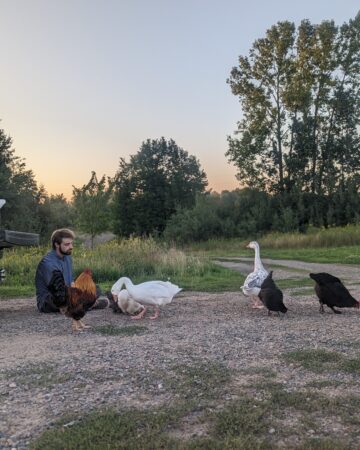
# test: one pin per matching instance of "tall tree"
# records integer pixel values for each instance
(260, 81)
(92, 206)
(299, 92)
(54, 212)
(19, 188)
(160, 178)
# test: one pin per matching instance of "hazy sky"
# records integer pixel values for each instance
(85, 82)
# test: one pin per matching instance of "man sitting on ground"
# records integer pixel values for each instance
(59, 258)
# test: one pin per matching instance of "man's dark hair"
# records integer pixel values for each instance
(59, 235)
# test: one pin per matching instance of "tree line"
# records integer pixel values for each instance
(296, 150)
(139, 200)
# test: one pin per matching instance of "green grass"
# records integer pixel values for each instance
(348, 235)
(301, 292)
(339, 254)
(287, 283)
(317, 360)
(351, 365)
(16, 291)
(111, 430)
(216, 279)
(333, 245)
(324, 384)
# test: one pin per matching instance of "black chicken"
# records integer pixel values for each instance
(331, 292)
(74, 301)
(271, 296)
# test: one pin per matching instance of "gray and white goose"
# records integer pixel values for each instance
(255, 279)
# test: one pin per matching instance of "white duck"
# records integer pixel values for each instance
(255, 279)
(149, 293)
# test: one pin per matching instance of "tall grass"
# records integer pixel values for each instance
(136, 258)
(314, 238)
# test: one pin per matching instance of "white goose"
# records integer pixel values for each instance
(255, 279)
(149, 293)
(124, 301)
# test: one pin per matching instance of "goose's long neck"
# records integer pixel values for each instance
(257, 263)
(127, 282)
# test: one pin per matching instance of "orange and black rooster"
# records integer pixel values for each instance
(74, 301)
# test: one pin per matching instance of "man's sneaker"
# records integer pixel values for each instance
(101, 303)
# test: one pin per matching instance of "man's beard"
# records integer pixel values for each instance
(67, 253)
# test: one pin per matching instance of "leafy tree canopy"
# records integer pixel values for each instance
(160, 178)
(18, 187)
(299, 90)
(91, 205)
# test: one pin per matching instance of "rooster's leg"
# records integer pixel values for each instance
(256, 302)
(140, 315)
(156, 313)
(75, 326)
(335, 310)
(321, 309)
(83, 326)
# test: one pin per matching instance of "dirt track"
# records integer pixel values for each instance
(46, 371)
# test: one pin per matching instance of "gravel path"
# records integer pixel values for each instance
(46, 371)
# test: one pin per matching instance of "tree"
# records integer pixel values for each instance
(92, 206)
(160, 178)
(54, 212)
(260, 82)
(300, 95)
(19, 188)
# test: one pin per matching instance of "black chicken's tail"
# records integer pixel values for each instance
(57, 288)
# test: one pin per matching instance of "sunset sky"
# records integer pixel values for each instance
(85, 82)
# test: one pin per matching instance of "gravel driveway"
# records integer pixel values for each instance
(47, 372)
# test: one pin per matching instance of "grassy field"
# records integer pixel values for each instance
(333, 245)
(138, 259)
(191, 267)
